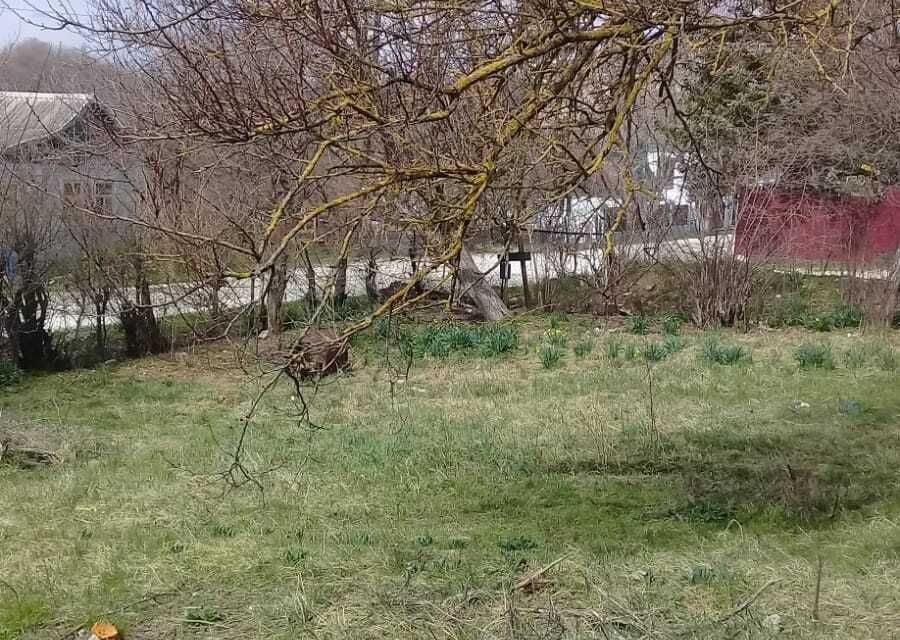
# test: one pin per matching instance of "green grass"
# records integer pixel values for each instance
(413, 508)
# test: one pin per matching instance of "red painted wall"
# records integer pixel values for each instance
(816, 226)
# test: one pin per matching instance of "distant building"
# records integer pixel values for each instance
(669, 211)
(58, 162)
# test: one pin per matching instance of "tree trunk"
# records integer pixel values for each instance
(310, 297)
(101, 302)
(275, 296)
(340, 282)
(414, 262)
(473, 285)
(142, 335)
(371, 282)
(895, 273)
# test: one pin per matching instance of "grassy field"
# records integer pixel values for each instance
(418, 507)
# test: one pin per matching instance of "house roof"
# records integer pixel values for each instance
(30, 117)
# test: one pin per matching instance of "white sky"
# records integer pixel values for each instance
(13, 27)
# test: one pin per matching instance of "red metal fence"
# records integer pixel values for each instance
(816, 226)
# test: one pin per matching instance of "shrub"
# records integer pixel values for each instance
(9, 373)
(716, 352)
(583, 347)
(654, 352)
(550, 355)
(639, 325)
(814, 356)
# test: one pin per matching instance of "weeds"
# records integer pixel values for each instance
(795, 313)
(557, 319)
(441, 340)
(861, 355)
(556, 338)
(631, 352)
(550, 355)
(715, 352)
(672, 324)
(842, 316)
(614, 348)
(814, 356)
(494, 340)
(517, 544)
(673, 343)
(584, 348)
(10, 374)
(856, 357)
(654, 352)
(887, 359)
(639, 325)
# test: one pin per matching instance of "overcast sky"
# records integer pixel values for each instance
(13, 27)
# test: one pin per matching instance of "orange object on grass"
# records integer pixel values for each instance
(104, 631)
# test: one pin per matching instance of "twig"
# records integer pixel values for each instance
(815, 610)
(744, 605)
(526, 582)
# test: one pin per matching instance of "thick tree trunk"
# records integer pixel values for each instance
(340, 282)
(473, 285)
(275, 296)
(142, 334)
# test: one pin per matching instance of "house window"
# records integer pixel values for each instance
(73, 194)
(96, 196)
(103, 193)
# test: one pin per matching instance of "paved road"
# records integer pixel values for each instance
(175, 298)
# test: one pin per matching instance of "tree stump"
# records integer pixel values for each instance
(320, 352)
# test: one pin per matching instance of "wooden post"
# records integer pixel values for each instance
(524, 276)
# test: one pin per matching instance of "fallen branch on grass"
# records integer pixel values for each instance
(528, 583)
(744, 605)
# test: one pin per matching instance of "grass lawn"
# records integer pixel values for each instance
(417, 506)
